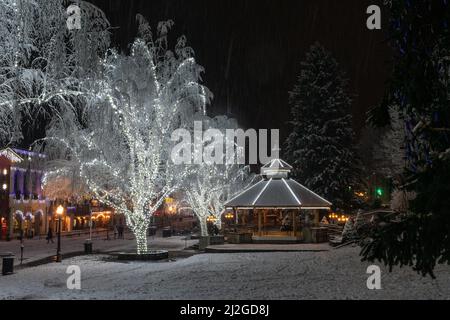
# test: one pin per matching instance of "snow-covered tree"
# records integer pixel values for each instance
(389, 153)
(349, 231)
(65, 187)
(320, 146)
(122, 143)
(359, 220)
(44, 66)
(211, 184)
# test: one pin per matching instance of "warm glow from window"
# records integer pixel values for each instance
(5, 172)
(4, 186)
(60, 210)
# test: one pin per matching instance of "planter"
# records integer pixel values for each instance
(242, 237)
(214, 240)
(319, 235)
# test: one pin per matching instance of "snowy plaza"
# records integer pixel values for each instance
(332, 275)
(224, 150)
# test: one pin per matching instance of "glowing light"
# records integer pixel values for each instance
(60, 210)
(229, 216)
(123, 156)
(379, 192)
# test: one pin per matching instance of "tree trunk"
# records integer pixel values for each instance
(203, 227)
(140, 234)
(219, 222)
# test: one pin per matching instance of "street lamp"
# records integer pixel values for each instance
(59, 212)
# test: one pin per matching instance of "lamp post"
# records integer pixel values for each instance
(59, 212)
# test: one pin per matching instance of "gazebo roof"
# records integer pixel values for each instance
(278, 191)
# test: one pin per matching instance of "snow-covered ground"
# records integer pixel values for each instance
(37, 249)
(336, 274)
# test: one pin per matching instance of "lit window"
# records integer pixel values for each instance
(4, 186)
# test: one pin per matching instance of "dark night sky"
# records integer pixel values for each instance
(251, 50)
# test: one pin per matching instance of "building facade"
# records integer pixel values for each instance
(23, 207)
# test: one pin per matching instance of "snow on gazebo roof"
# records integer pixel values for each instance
(276, 190)
(277, 163)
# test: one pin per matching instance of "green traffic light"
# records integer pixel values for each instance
(379, 191)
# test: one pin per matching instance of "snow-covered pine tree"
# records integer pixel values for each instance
(359, 220)
(389, 153)
(349, 232)
(320, 146)
(419, 36)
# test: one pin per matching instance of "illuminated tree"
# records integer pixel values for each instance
(44, 66)
(211, 184)
(121, 143)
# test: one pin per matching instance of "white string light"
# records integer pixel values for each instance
(123, 149)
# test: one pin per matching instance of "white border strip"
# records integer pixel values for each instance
(263, 189)
(245, 190)
(312, 192)
(292, 192)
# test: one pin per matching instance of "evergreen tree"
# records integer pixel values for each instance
(389, 151)
(349, 232)
(320, 146)
(420, 36)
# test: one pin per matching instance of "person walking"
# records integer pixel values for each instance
(121, 232)
(116, 231)
(49, 235)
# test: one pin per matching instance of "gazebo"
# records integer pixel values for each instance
(270, 209)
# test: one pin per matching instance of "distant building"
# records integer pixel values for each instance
(23, 208)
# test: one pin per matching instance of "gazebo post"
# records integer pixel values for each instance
(264, 221)
(294, 226)
(259, 223)
(316, 217)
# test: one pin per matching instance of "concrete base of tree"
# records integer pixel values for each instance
(151, 255)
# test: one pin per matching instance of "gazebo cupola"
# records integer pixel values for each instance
(276, 169)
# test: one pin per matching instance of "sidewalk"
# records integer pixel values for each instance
(35, 249)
